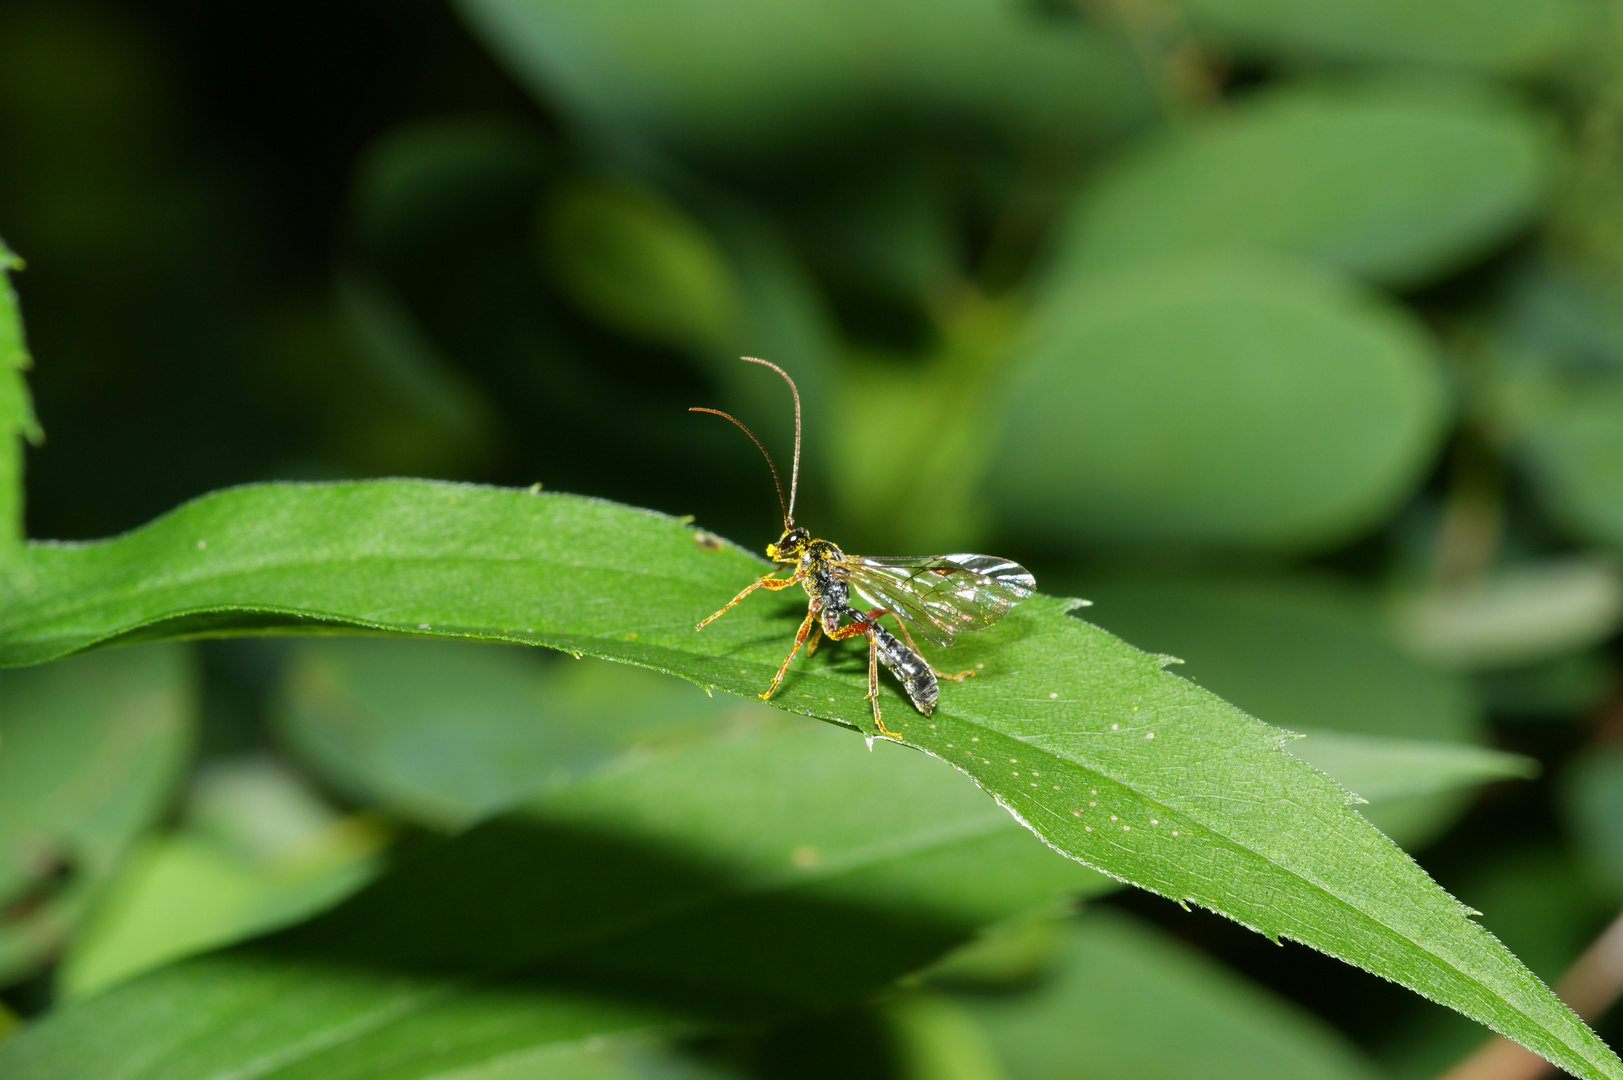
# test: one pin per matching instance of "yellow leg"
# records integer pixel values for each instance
(800, 639)
(767, 582)
(850, 630)
(873, 687)
(816, 636)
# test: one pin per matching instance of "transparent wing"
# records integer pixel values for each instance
(940, 596)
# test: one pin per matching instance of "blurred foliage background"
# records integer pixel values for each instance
(1291, 334)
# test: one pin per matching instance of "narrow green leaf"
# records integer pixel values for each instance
(1516, 616)
(1087, 740)
(90, 750)
(16, 408)
(1397, 183)
(1311, 654)
(1215, 399)
(1380, 770)
(1129, 1002)
(774, 867)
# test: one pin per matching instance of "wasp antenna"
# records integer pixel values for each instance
(769, 464)
(794, 473)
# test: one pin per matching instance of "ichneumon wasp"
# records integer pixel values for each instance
(939, 596)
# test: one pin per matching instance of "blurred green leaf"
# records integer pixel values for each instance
(1554, 392)
(1520, 615)
(635, 261)
(933, 1038)
(926, 490)
(255, 851)
(1399, 183)
(438, 399)
(1510, 36)
(750, 79)
(1592, 799)
(1130, 1003)
(1215, 400)
(447, 217)
(90, 750)
(1569, 431)
(446, 733)
(659, 895)
(1191, 798)
(1381, 770)
(16, 408)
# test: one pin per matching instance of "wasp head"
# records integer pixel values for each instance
(790, 546)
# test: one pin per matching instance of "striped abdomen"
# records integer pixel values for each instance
(908, 666)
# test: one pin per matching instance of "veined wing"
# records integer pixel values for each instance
(940, 596)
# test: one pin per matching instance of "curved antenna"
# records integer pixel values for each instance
(775, 481)
(794, 474)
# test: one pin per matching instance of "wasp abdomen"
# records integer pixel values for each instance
(907, 665)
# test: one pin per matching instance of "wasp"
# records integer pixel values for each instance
(938, 596)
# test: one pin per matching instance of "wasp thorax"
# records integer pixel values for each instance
(790, 546)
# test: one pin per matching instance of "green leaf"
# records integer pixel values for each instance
(447, 733)
(255, 851)
(447, 214)
(639, 264)
(1311, 655)
(1220, 400)
(1554, 390)
(1516, 616)
(742, 79)
(1568, 429)
(776, 866)
(90, 749)
(1397, 183)
(1381, 770)
(16, 408)
(1129, 1002)
(1492, 35)
(1085, 739)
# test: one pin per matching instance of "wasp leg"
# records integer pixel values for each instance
(767, 582)
(901, 624)
(800, 639)
(873, 685)
(816, 636)
(864, 627)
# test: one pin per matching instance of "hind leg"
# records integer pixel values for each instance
(864, 627)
